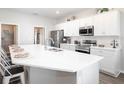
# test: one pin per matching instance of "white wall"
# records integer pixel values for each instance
(122, 41)
(26, 24)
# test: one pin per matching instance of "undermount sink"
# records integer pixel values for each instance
(54, 49)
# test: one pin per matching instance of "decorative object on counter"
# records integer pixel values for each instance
(18, 50)
(71, 18)
(77, 42)
(17, 47)
(101, 45)
(101, 10)
(68, 19)
(21, 55)
(14, 46)
(66, 40)
(114, 44)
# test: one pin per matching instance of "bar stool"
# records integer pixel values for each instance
(11, 73)
(5, 56)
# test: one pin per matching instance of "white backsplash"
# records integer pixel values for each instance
(104, 40)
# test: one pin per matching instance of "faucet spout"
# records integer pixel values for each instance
(52, 41)
(47, 43)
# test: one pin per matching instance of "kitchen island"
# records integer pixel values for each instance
(46, 65)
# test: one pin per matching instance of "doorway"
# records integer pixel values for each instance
(39, 35)
(8, 36)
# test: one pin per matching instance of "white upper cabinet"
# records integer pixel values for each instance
(86, 22)
(107, 23)
(113, 19)
(98, 25)
(71, 28)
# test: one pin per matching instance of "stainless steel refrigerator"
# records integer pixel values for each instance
(57, 37)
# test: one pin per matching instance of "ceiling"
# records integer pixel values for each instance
(49, 12)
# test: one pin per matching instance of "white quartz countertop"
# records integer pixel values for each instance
(65, 60)
(106, 48)
(68, 44)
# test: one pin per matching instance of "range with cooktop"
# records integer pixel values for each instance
(85, 46)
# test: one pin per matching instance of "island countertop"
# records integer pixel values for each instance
(64, 60)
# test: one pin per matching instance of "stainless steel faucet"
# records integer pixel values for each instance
(51, 40)
(47, 40)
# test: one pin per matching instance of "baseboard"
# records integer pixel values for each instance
(111, 74)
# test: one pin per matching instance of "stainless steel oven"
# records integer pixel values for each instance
(83, 49)
(85, 46)
(86, 31)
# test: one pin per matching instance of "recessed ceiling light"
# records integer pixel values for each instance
(57, 12)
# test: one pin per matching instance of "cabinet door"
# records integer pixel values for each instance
(111, 61)
(86, 22)
(72, 47)
(74, 28)
(98, 25)
(66, 29)
(71, 28)
(112, 23)
(107, 63)
(107, 23)
(98, 53)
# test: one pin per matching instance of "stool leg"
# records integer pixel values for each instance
(22, 78)
(6, 80)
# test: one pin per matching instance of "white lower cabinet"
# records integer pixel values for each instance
(111, 62)
(68, 46)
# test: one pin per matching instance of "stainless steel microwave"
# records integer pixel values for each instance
(86, 31)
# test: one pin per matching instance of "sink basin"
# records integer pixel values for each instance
(54, 49)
